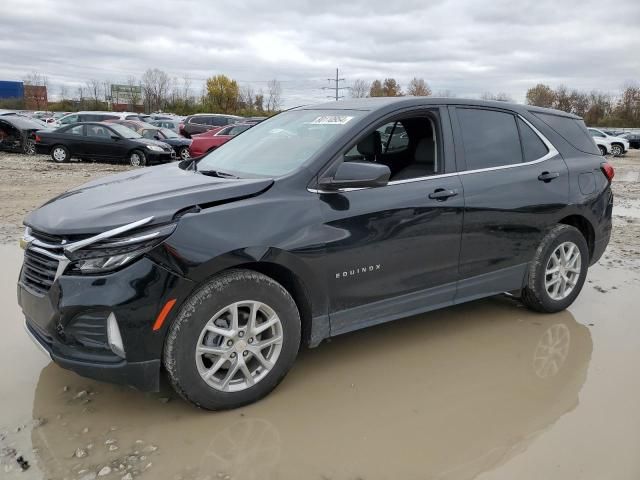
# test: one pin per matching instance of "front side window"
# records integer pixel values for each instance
(98, 131)
(237, 129)
(408, 146)
(125, 132)
(490, 138)
(281, 144)
(69, 119)
(596, 133)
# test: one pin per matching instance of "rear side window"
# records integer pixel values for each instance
(77, 130)
(572, 130)
(490, 138)
(533, 147)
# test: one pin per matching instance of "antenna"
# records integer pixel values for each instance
(336, 86)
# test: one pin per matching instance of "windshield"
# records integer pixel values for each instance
(169, 133)
(280, 144)
(124, 131)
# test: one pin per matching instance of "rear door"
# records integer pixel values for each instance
(514, 184)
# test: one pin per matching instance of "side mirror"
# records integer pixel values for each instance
(115, 137)
(357, 175)
(157, 137)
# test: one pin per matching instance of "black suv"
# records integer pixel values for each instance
(202, 122)
(307, 226)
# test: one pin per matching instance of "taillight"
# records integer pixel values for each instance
(38, 139)
(181, 126)
(608, 170)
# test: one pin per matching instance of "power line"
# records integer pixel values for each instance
(336, 86)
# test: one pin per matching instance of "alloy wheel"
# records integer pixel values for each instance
(616, 150)
(184, 154)
(239, 346)
(135, 160)
(562, 271)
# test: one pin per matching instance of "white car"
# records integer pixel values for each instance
(95, 117)
(616, 146)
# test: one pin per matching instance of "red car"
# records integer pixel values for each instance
(208, 141)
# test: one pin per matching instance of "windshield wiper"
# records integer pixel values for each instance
(217, 173)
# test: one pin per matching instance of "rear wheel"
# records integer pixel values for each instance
(137, 159)
(60, 154)
(603, 150)
(29, 147)
(233, 341)
(557, 271)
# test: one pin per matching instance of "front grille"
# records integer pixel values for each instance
(38, 272)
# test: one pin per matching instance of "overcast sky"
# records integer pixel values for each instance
(464, 46)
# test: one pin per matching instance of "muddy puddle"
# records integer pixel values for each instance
(484, 390)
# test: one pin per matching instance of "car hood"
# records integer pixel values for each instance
(116, 200)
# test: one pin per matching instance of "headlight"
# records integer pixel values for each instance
(155, 148)
(116, 252)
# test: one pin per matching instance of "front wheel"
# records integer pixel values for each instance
(557, 271)
(29, 147)
(137, 159)
(616, 150)
(233, 341)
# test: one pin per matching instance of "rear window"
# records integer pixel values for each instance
(490, 138)
(533, 147)
(572, 130)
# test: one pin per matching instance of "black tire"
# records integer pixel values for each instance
(137, 158)
(183, 153)
(534, 295)
(603, 150)
(184, 333)
(60, 154)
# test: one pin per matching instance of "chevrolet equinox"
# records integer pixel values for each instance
(318, 221)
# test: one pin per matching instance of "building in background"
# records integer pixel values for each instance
(11, 94)
(126, 98)
(35, 97)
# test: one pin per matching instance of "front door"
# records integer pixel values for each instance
(393, 250)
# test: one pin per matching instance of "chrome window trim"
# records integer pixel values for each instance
(552, 152)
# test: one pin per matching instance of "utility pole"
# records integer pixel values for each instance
(336, 87)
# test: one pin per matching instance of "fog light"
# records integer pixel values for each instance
(113, 336)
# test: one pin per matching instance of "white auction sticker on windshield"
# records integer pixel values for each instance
(331, 120)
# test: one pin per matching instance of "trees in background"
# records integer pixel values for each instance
(418, 88)
(596, 107)
(359, 89)
(222, 94)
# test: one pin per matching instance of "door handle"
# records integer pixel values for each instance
(546, 177)
(442, 194)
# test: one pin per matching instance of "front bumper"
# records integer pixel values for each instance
(154, 157)
(69, 321)
(144, 376)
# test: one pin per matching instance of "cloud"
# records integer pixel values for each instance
(464, 46)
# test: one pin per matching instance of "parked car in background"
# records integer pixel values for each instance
(202, 122)
(208, 141)
(632, 138)
(77, 117)
(217, 271)
(179, 144)
(17, 133)
(101, 141)
(616, 146)
(171, 124)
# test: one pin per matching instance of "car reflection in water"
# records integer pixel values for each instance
(450, 394)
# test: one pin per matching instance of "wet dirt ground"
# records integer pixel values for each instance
(486, 390)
